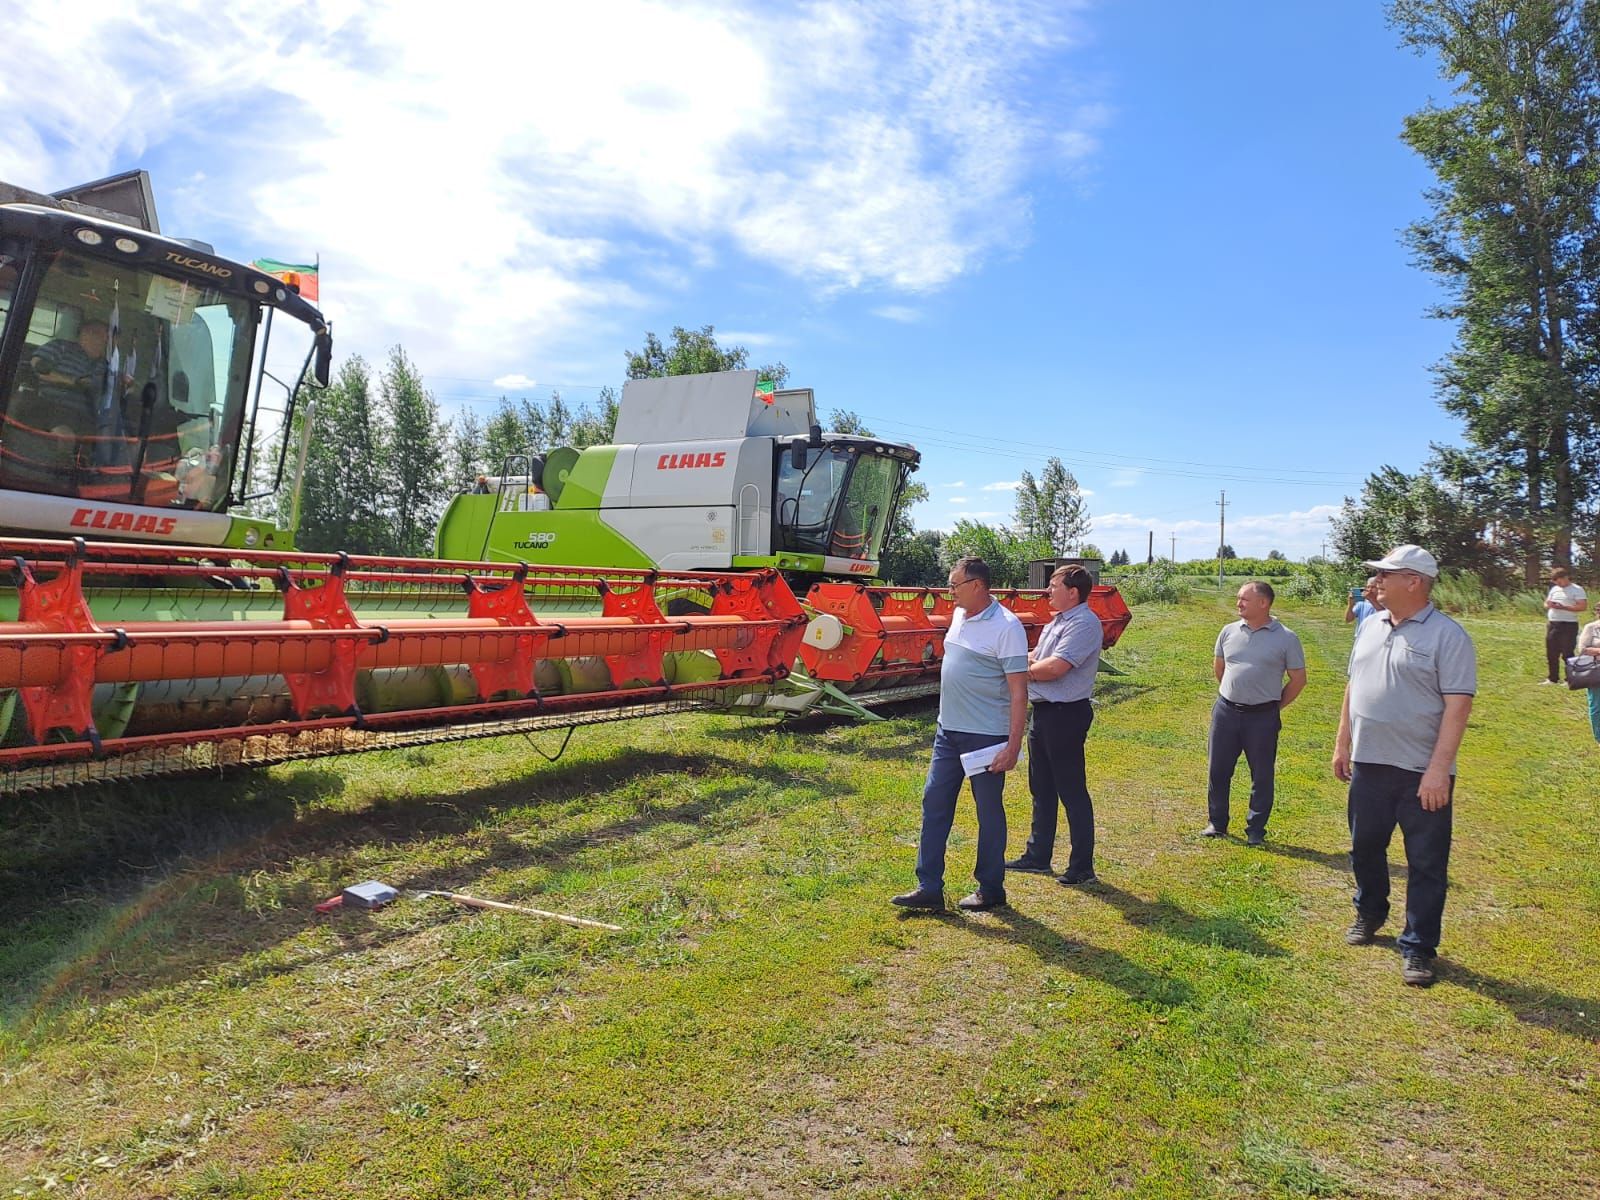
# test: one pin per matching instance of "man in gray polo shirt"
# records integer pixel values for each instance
(1061, 669)
(1413, 673)
(983, 706)
(1252, 657)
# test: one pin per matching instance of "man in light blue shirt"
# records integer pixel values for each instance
(1061, 673)
(983, 702)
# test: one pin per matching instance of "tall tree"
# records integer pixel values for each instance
(1051, 509)
(340, 497)
(1514, 238)
(413, 457)
(692, 352)
(1396, 508)
(464, 459)
(1008, 552)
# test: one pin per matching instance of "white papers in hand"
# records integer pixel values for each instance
(976, 762)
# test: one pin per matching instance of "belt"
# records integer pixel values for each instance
(1059, 703)
(1249, 707)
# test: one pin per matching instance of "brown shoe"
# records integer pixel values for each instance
(980, 902)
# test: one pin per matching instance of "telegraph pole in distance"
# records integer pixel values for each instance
(1150, 553)
(1173, 556)
(1222, 533)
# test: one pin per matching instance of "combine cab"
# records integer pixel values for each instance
(132, 373)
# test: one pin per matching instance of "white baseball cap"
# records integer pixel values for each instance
(1407, 558)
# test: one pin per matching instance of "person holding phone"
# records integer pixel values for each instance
(1363, 602)
(1589, 647)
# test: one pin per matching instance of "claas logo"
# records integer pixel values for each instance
(100, 518)
(678, 462)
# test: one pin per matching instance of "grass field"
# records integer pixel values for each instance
(177, 1020)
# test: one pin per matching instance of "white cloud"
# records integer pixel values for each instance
(1127, 478)
(517, 382)
(482, 207)
(960, 483)
(958, 500)
(739, 337)
(898, 312)
(1004, 485)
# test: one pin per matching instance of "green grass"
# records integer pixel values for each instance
(178, 1022)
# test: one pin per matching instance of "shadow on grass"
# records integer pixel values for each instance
(1165, 917)
(183, 911)
(1334, 860)
(1081, 958)
(1576, 1016)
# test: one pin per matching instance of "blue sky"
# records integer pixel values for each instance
(1159, 240)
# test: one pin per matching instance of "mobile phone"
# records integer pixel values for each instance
(1355, 593)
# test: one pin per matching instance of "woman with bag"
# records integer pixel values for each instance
(1589, 644)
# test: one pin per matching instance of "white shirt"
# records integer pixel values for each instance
(1571, 594)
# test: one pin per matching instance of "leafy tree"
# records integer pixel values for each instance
(1513, 237)
(917, 561)
(413, 455)
(1119, 558)
(339, 504)
(464, 459)
(1226, 552)
(842, 420)
(1277, 556)
(1396, 508)
(506, 435)
(692, 352)
(1007, 552)
(1051, 509)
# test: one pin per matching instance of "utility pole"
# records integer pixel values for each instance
(1150, 553)
(1173, 556)
(1222, 533)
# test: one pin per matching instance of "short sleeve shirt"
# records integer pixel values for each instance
(1254, 660)
(1075, 636)
(1363, 609)
(1570, 594)
(979, 652)
(1399, 677)
(64, 357)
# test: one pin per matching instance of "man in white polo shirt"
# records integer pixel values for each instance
(1413, 673)
(983, 702)
(1260, 669)
(1565, 601)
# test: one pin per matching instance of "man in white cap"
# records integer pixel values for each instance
(1413, 672)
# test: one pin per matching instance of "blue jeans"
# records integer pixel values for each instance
(1382, 797)
(939, 797)
(1255, 734)
(1594, 712)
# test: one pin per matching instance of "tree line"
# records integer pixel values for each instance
(1512, 235)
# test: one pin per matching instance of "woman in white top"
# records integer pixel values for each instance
(1589, 644)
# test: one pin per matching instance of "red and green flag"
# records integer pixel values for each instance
(301, 276)
(766, 391)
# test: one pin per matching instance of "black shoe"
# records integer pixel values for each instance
(1417, 970)
(1212, 831)
(981, 902)
(1074, 878)
(1255, 839)
(920, 899)
(1032, 866)
(1362, 930)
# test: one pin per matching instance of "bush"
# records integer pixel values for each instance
(1155, 583)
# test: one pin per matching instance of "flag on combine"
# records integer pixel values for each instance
(766, 391)
(300, 276)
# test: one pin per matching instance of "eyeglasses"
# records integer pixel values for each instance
(960, 583)
(1386, 574)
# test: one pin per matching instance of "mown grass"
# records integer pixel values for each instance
(178, 1022)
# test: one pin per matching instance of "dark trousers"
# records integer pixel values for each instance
(1255, 735)
(1056, 775)
(1560, 640)
(939, 796)
(1382, 797)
